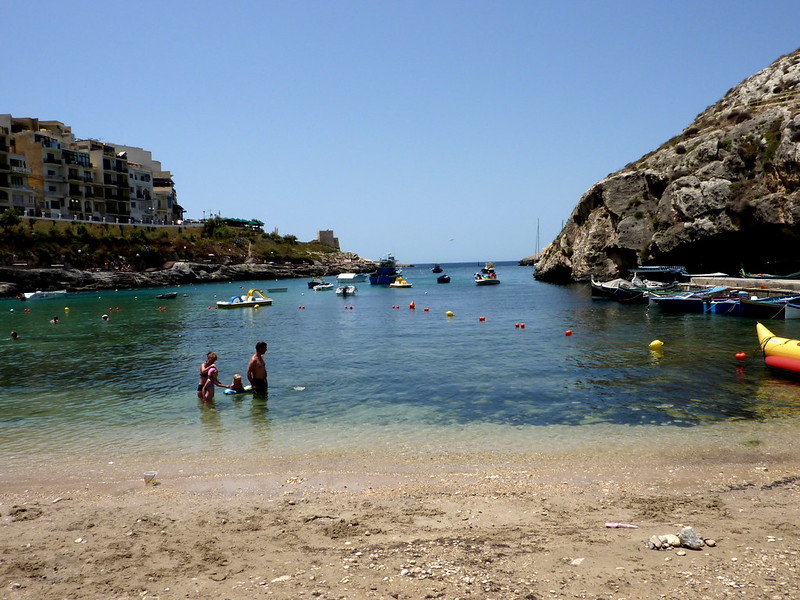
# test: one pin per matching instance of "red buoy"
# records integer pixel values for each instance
(741, 356)
(568, 332)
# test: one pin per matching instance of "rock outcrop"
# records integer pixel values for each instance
(722, 195)
(14, 281)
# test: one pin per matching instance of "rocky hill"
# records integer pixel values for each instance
(722, 195)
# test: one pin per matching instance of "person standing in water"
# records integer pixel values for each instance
(208, 378)
(257, 370)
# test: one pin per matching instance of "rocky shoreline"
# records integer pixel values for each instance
(16, 280)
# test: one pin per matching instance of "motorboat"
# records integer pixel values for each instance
(40, 294)
(167, 295)
(443, 279)
(400, 283)
(780, 353)
(487, 275)
(348, 278)
(323, 287)
(252, 298)
(314, 282)
(346, 290)
(437, 269)
(697, 301)
(386, 273)
(633, 291)
(276, 290)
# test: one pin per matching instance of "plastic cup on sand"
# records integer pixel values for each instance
(150, 477)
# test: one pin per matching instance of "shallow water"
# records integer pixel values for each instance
(372, 376)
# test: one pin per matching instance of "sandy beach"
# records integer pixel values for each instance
(357, 525)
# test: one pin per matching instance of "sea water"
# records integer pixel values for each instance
(368, 371)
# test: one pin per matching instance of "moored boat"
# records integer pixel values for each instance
(252, 298)
(400, 283)
(487, 275)
(437, 269)
(348, 278)
(42, 294)
(765, 308)
(323, 287)
(443, 279)
(314, 282)
(386, 273)
(780, 353)
(167, 295)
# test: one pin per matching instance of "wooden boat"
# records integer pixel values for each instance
(252, 298)
(780, 353)
(167, 295)
(765, 308)
(792, 311)
(386, 273)
(697, 301)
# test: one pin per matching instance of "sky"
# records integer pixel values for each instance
(436, 130)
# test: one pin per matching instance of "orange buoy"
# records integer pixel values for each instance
(516, 325)
(481, 319)
(426, 309)
(522, 325)
(568, 332)
(741, 356)
(411, 305)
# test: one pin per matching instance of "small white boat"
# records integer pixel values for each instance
(252, 298)
(487, 275)
(322, 287)
(400, 283)
(346, 290)
(351, 277)
(41, 294)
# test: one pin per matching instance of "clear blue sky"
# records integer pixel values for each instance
(437, 130)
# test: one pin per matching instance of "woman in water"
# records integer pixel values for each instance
(208, 378)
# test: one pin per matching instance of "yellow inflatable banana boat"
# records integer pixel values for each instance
(779, 352)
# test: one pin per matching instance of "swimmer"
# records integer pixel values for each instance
(208, 378)
(257, 370)
(14, 335)
(105, 317)
(54, 320)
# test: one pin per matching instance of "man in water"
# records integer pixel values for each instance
(257, 370)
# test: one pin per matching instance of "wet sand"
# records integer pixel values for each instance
(351, 525)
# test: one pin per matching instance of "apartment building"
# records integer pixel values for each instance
(46, 172)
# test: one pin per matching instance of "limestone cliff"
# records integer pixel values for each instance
(722, 195)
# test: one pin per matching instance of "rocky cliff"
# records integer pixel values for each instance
(722, 195)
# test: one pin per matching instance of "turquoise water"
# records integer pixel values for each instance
(372, 375)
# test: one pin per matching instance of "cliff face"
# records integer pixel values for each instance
(722, 195)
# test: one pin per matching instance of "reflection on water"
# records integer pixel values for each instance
(342, 375)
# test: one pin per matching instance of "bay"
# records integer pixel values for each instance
(370, 372)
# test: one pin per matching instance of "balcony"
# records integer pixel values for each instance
(21, 170)
(53, 161)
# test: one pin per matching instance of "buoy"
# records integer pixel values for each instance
(256, 306)
(411, 305)
(568, 332)
(426, 309)
(516, 325)
(450, 313)
(66, 309)
(656, 344)
(481, 319)
(741, 356)
(522, 325)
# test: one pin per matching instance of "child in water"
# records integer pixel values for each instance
(237, 386)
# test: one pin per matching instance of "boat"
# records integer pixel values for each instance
(696, 301)
(437, 269)
(747, 275)
(765, 308)
(314, 282)
(792, 311)
(351, 277)
(323, 287)
(487, 275)
(633, 291)
(443, 279)
(276, 290)
(386, 273)
(780, 353)
(167, 295)
(400, 283)
(40, 294)
(252, 298)
(346, 290)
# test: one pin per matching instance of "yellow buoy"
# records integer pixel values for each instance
(450, 313)
(255, 306)
(66, 309)
(656, 344)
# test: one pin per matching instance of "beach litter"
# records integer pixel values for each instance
(150, 477)
(614, 525)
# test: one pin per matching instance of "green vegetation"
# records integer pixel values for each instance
(41, 243)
